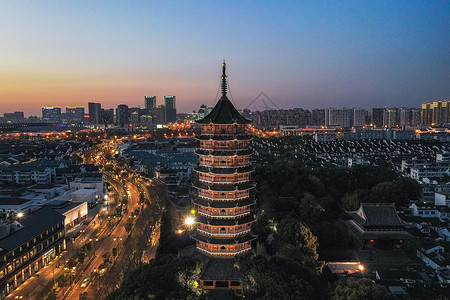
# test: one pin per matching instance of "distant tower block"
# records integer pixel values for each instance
(224, 190)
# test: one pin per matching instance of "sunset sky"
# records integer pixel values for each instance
(309, 54)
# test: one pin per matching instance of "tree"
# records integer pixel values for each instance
(51, 295)
(298, 246)
(383, 192)
(307, 205)
(359, 288)
(350, 202)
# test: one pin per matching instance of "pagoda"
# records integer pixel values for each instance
(224, 197)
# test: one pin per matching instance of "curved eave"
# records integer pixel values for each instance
(224, 241)
(224, 187)
(226, 222)
(218, 138)
(224, 113)
(224, 204)
(220, 171)
(222, 153)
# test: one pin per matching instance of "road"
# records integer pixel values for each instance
(107, 241)
(125, 185)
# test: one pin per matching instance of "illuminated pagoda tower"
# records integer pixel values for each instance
(224, 198)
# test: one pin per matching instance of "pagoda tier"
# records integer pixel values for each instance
(223, 178)
(222, 196)
(221, 241)
(224, 145)
(224, 137)
(212, 170)
(224, 187)
(224, 161)
(223, 249)
(224, 199)
(205, 204)
(224, 152)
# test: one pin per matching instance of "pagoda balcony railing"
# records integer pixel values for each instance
(224, 215)
(227, 131)
(223, 147)
(225, 252)
(224, 165)
(223, 198)
(222, 233)
(231, 180)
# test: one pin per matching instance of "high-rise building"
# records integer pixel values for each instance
(122, 115)
(377, 117)
(134, 115)
(171, 110)
(318, 117)
(440, 112)
(390, 117)
(74, 114)
(107, 116)
(426, 115)
(51, 114)
(339, 117)
(150, 102)
(359, 117)
(224, 198)
(95, 113)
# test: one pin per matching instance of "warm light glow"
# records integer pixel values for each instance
(180, 231)
(193, 211)
(20, 215)
(361, 267)
(190, 221)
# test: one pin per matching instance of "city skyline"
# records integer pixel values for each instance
(312, 55)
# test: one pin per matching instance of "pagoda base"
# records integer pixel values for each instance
(220, 273)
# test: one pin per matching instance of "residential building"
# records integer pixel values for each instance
(318, 117)
(107, 116)
(95, 113)
(122, 115)
(377, 117)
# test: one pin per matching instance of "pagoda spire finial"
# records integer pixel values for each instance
(224, 80)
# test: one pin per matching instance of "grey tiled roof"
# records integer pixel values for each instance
(33, 225)
(377, 214)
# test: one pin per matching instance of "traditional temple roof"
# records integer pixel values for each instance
(224, 112)
(378, 215)
(224, 204)
(230, 152)
(220, 269)
(224, 187)
(203, 169)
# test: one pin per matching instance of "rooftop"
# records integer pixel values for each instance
(377, 214)
(220, 269)
(33, 224)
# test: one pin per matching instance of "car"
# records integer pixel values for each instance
(85, 282)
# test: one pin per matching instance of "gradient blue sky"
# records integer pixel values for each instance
(310, 54)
